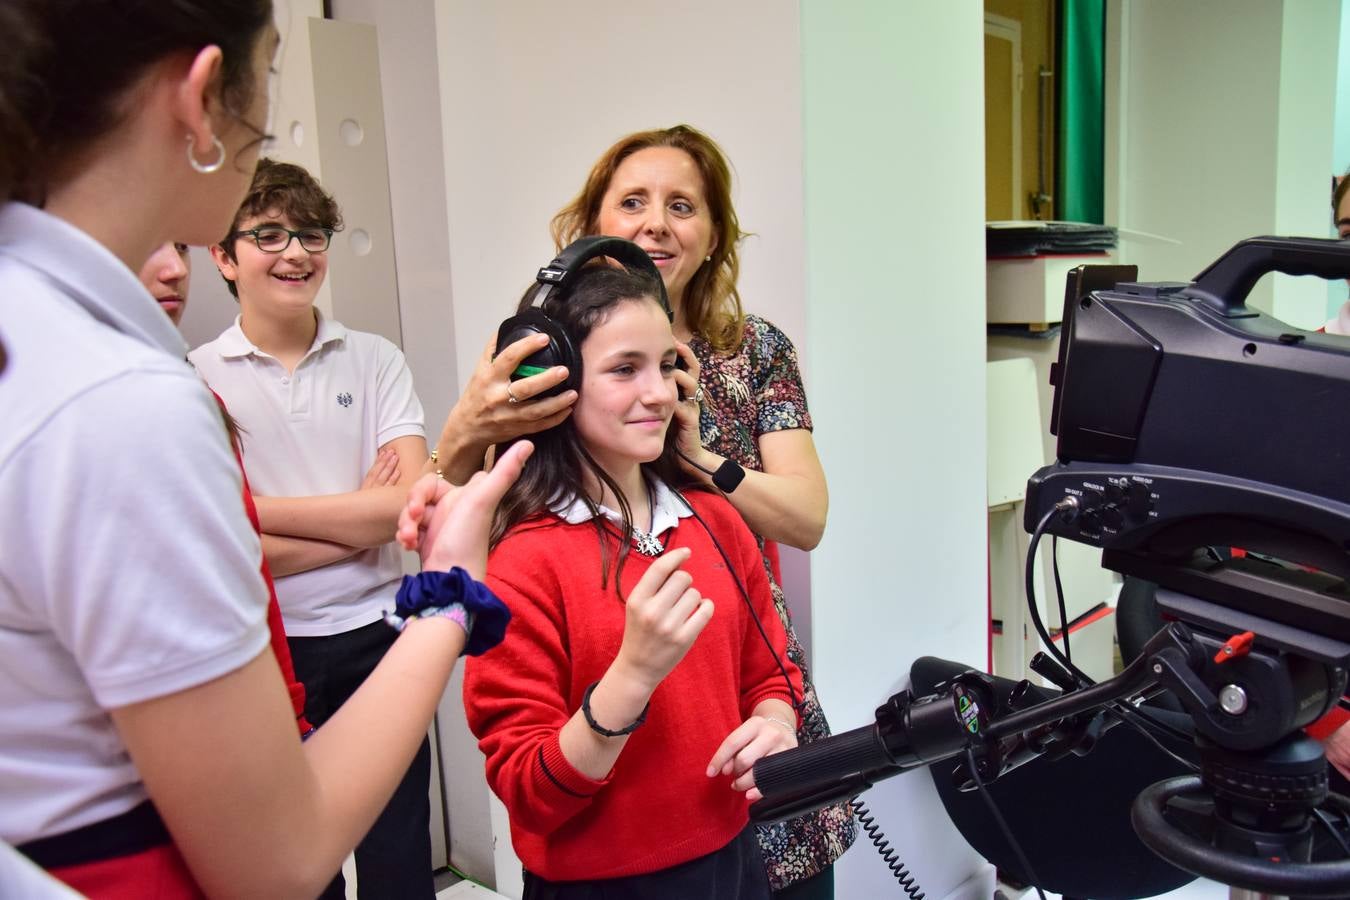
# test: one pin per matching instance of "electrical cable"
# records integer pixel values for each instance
(464, 876)
(1057, 509)
(1127, 713)
(705, 470)
(888, 855)
(865, 818)
(797, 703)
(1138, 718)
(1332, 830)
(1002, 824)
(1059, 593)
(1132, 718)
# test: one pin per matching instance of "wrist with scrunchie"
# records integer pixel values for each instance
(455, 595)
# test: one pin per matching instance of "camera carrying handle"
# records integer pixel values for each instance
(1225, 284)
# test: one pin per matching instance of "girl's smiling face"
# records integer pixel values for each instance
(628, 391)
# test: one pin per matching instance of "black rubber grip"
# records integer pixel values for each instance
(822, 762)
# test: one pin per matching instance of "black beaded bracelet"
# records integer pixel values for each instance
(600, 729)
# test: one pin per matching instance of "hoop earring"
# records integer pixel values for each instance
(214, 165)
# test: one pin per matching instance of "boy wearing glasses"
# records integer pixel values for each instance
(317, 405)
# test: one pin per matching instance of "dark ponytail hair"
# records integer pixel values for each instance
(66, 67)
(557, 468)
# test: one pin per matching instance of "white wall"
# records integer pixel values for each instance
(531, 96)
(1219, 127)
(894, 153)
(408, 63)
(1341, 153)
(1305, 149)
(1340, 160)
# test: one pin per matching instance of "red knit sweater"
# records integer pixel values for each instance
(657, 807)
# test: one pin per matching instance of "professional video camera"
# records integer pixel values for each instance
(1186, 422)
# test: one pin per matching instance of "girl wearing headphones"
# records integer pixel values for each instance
(645, 671)
(669, 191)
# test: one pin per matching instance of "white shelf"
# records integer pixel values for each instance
(1030, 290)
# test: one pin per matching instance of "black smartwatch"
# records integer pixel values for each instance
(728, 476)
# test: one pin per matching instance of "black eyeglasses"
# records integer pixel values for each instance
(275, 239)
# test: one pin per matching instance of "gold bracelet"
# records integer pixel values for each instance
(435, 462)
(778, 721)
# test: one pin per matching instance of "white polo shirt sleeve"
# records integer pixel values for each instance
(135, 547)
(399, 412)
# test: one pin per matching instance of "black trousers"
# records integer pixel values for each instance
(393, 860)
(736, 872)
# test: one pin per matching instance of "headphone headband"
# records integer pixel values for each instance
(561, 274)
(567, 265)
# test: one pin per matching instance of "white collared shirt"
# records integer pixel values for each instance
(128, 570)
(667, 510)
(317, 431)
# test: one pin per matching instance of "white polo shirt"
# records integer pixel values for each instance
(317, 431)
(128, 570)
(21, 878)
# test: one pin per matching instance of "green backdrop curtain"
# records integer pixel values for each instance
(1082, 68)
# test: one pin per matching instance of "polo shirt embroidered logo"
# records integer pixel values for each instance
(344, 399)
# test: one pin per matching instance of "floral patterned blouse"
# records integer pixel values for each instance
(746, 394)
(752, 392)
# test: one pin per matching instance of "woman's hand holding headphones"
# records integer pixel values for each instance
(769, 730)
(688, 410)
(486, 412)
(663, 616)
(695, 459)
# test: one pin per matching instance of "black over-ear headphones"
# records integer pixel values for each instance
(560, 275)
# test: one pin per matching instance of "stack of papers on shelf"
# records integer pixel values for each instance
(1033, 238)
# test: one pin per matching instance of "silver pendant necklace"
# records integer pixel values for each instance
(645, 542)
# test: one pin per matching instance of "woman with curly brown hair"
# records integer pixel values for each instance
(669, 191)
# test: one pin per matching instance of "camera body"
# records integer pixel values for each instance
(1186, 419)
